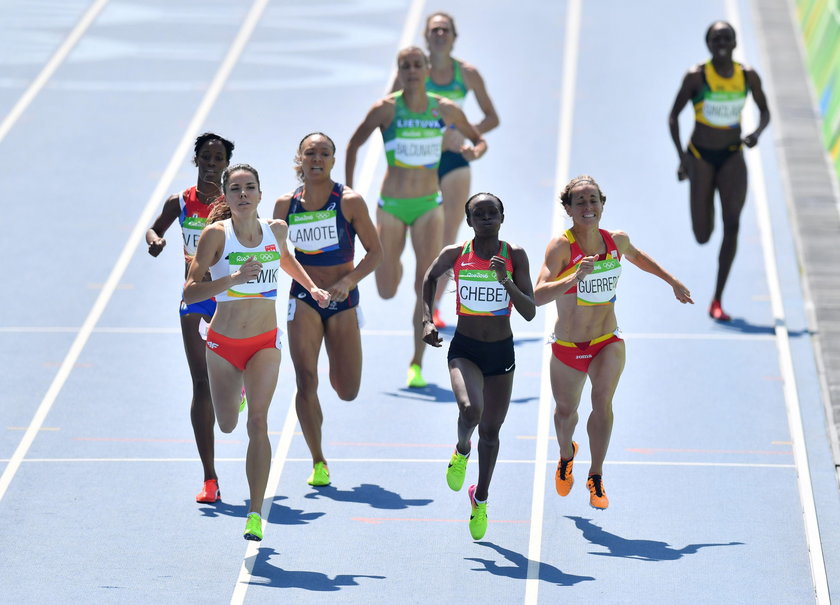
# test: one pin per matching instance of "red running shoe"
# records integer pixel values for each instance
(718, 314)
(438, 320)
(210, 492)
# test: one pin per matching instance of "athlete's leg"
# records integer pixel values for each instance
(604, 373)
(306, 331)
(701, 175)
(392, 235)
(260, 382)
(201, 409)
(566, 386)
(732, 187)
(225, 389)
(454, 187)
(344, 350)
(426, 236)
(468, 388)
(497, 390)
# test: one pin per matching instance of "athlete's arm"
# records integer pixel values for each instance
(452, 114)
(475, 83)
(646, 263)
(356, 213)
(379, 116)
(519, 288)
(439, 266)
(687, 90)
(281, 207)
(292, 267)
(557, 255)
(211, 244)
(168, 215)
(754, 83)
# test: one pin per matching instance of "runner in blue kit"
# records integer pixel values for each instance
(243, 254)
(580, 274)
(491, 278)
(412, 123)
(714, 159)
(324, 219)
(191, 209)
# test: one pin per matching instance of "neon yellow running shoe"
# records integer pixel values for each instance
(478, 518)
(244, 401)
(320, 475)
(457, 470)
(253, 527)
(415, 378)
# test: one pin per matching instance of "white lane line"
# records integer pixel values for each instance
(792, 405)
(52, 65)
(283, 448)
(132, 242)
(561, 171)
(277, 464)
(375, 148)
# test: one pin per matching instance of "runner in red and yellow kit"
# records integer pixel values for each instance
(580, 274)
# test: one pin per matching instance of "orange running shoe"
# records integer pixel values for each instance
(597, 496)
(717, 313)
(438, 320)
(209, 492)
(563, 479)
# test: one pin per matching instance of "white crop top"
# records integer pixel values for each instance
(235, 255)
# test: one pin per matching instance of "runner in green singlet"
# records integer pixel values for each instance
(412, 123)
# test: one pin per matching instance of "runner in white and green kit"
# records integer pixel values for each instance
(412, 124)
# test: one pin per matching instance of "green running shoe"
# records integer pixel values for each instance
(253, 527)
(415, 378)
(478, 518)
(320, 475)
(457, 470)
(244, 401)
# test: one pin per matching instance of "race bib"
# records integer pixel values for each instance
(723, 108)
(479, 293)
(599, 287)
(313, 232)
(265, 284)
(191, 229)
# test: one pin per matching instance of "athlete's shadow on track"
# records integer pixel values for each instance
(271, 576)
(279, 514)
(739, 325)
(366, 493)
(519, 569)
(643, 550)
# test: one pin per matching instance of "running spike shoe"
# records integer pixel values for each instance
(415, 378)
(563, 479)
(478, 517)
(597, 495)
(717, 313)
(320, 475)
(209, 492)
(457, 470)
(253, 527)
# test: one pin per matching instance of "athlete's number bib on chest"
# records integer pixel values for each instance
(723, 108)
(598, 288)
(191, 230)
(265, 282)
(313, 232)
(479, 292)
